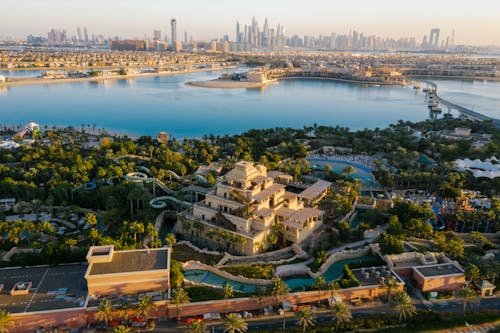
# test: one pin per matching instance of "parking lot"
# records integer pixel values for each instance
(53, 287)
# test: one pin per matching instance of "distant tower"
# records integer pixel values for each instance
(185, 37)
(452, 39)
(434, 38)
(173, 27)
(79, 34)
(238, 33)
(86, 34)
(157, 34)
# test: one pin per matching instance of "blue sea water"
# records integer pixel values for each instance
(145, 106)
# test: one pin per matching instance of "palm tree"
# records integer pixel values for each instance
(123, 309)
(305, 318)
(121, 329)
(6, 321)
(341, 314)
(403, 305)
(145, 305)
(333, 286)
(467, 295)
(104, 310)
(389, 284)
(474, 273)
(197, 327)
(319, 284)
(171, 240)
(179, 296)
(227, 292)
(235, 324)
(278, 288)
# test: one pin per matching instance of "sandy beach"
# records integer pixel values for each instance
(221, 83)
(38, 80)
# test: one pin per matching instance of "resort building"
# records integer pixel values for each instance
(113, 272)
(431, 271)
(247, 213)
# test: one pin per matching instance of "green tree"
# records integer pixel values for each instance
(227, 292)
(197, 327)
(91, 219)
(179, 296)
(474, 272)
(278, 288)
(468, 296)
(403, 305)
(305, 318)
(170, 239)
(319, 284)
(121, 329)
(104, 311)
(389, 285)
(341, 314)
(235, 324)
(145, 306)
(6, 321)
(176, 276)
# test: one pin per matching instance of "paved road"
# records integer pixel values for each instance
(276, 322)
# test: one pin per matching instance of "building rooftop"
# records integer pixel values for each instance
(315, 190)
(132, 261)
(440, 269)
(370, 276)
(268, 192)
(53, 287)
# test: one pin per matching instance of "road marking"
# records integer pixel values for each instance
(37, 288)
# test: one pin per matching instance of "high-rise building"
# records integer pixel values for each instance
(434, 38)
(157, 34)
(238, 33)
(173, 27)
(86, 34)
(79, 34)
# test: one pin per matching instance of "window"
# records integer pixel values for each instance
(225, 195)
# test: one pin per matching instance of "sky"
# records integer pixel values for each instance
(476, 22)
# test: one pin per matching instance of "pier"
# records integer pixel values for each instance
(469, 113)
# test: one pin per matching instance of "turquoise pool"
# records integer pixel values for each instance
(360, 172)
(297, 283)
(203, 276)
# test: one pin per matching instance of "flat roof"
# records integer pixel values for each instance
(268, 192)
(315, 190)
(53, 287)
(440, 269)
(371, 276)
(132, 261)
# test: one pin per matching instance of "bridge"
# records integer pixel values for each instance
(469, 113)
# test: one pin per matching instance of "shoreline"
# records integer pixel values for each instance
(229, 84)
(41, 81)
(367, 83)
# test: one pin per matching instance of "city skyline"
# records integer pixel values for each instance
(474, 25)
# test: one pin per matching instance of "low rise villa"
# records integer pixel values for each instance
(247, 213)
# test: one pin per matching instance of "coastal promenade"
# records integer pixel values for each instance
(463, 110)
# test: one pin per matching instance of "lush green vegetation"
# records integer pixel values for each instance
(348, 280)
(262, 271)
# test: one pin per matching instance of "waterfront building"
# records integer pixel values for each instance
(247, 213)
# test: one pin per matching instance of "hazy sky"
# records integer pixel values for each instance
(475, 21)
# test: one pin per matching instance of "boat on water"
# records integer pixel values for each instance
(437, 109)
(432, 104)
(426, 90)
(416, 87)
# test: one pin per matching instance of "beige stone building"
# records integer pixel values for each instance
(247, 213)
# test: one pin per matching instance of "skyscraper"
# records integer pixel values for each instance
(86, 34)
(434, 38)
(79, 34)
(173, 27)
(238, 33)
(157, 34)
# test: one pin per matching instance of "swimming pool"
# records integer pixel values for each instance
(361, 172)
(334, 272)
